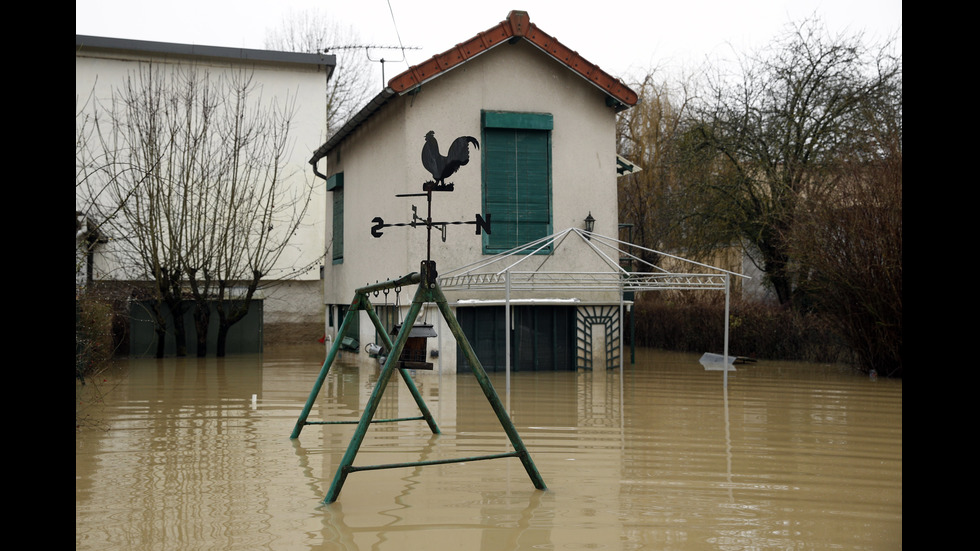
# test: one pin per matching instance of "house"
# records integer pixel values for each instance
(291, 303)
(545, 120)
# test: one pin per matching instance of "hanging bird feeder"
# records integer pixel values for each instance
(413, 355)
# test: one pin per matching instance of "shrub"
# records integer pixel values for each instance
(94, 343)
(694, 322)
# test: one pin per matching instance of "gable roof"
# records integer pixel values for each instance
(517, 26)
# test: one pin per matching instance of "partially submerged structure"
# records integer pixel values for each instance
(105, 67)
(525, 279)
(545, 119)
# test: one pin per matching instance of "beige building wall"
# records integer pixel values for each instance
(382, 158)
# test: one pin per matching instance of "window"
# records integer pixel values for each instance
(516, 178)
(336, 184)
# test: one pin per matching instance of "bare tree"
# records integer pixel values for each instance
(86, 229)
(256, 212)
(646, 135)
(89, 166)
(144, 137)
(851, 242)
(661, 200)
(196, 174)
(350, 86)
(778, 132)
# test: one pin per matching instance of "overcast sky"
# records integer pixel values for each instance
(625, 37)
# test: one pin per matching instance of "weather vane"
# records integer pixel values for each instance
(428, 292)
(441, 167)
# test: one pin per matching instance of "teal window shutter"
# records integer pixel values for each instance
(335, 181)
(337, 245)
(523, 121)
(516, 178)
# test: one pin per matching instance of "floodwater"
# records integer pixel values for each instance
(195, 454)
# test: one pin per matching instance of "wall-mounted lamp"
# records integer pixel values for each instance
(589, 225)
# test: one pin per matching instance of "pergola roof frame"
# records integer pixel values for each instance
(475, 277)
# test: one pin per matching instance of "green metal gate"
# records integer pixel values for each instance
(245, 337)
(542, 337)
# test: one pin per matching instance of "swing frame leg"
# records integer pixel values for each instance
(318, 384)
(429, 291)
(372, 406)
(361, 302)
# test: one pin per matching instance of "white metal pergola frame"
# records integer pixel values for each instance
(503, 272)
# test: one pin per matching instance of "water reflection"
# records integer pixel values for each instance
(790, 456)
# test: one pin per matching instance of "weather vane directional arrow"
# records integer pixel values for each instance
(482, 224)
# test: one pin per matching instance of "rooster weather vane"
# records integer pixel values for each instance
(441, 167)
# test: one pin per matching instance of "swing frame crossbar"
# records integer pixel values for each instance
(395, 420)
(432, 462)
(428, 292)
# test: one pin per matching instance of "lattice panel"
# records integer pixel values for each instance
(586, 317)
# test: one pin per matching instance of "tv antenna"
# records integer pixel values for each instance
(367, 50)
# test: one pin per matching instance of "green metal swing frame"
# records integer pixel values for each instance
(428, 291)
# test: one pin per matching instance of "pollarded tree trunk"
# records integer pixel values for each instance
(160, 328)
(202, 320)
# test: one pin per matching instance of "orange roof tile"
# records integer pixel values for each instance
(517, 24)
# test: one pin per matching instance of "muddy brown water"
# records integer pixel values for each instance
(177, 454)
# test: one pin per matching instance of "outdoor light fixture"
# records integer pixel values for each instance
(589, 224)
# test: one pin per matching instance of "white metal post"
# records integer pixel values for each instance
(507, 336)
(727, 292)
